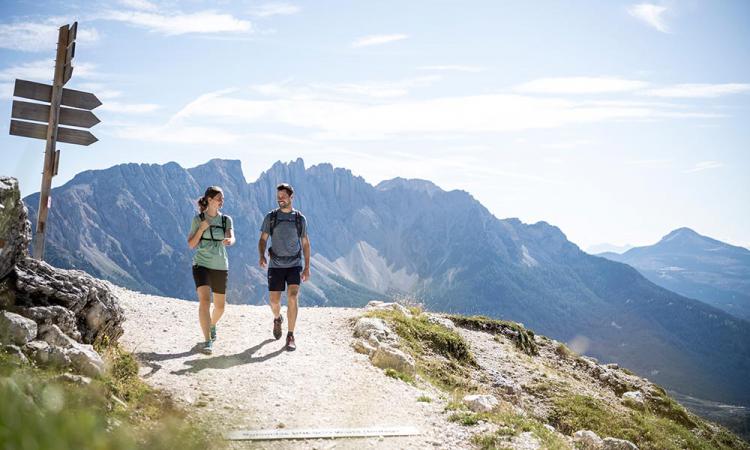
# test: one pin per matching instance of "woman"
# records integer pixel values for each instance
(210, 232)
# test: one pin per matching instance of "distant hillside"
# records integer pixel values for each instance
(698, 267)
(402, 237)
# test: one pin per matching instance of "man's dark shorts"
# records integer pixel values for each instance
(216, 279)
(278, 277)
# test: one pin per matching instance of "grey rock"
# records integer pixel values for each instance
(362, 346)
(73, 379)
(443, 321)
(85, 360)
(53, 315)
(15, 229)
(52, 335)
(587, 440)
(38, 351)
(636, 396)
(387, 357)
(618, 444)
(367, 327)
(480, 403)
(16, 329)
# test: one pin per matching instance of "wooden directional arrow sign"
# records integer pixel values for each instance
(43, 93)
(39, 131)
(40, 113)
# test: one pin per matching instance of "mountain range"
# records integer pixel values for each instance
(129, 224)
(696, 266)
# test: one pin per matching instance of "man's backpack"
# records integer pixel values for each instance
(223, 227)
(297, 222)
(273, 221)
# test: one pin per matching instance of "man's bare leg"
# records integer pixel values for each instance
(274, 298)
(292, 306)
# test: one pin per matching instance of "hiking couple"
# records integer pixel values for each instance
(211, 232)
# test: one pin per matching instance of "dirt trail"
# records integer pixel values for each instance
(250, 382)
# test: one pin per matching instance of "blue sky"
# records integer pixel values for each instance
(616, 121)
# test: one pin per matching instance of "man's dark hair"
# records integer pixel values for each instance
(285, 187)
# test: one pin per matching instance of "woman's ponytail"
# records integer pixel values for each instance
(203, 203)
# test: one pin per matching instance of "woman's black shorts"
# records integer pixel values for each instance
(279, 277)
(216, 279)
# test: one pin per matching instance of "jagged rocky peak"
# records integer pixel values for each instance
(416, 184)
(227, 169)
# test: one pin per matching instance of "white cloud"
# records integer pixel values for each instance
(39, 36)
(275, 9)
(378, 39)
(704, 165)
(453, 68)
(331, 117)
(176, 24)
(346, 91)
(699, 90)
(650, 14)
(42, 71)
(580, 85)
(143, 5)
(127, 108)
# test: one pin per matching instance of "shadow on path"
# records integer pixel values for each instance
(149, 359)
(227, 361)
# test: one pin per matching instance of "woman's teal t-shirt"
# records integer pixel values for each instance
(211, 254)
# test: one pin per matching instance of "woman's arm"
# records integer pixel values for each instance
(195, 238)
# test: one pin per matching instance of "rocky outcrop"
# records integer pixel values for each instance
(380, 343)
(53, 316)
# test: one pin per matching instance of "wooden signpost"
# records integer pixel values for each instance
(61, 107)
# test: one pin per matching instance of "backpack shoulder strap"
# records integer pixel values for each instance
(224, 223)
(272, 221)
(298, 223)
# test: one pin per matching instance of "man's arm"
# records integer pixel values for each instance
(262, 249)
(306, 252)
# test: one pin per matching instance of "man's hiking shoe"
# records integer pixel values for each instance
(213, 332)
(277, 327)
(208, 347)
(290, 345)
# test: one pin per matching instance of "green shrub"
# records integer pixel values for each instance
(521, 337)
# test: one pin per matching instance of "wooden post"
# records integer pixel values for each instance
(49, 153)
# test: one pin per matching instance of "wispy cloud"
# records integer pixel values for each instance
(177, 24)
(43, 70)
(143, 5)
(453, 68)
(378, 39)
(329, 116)
(275, 9)
(704, 165)
(650, 14)
(650, 163)
(346, 91)
(171, 133)
(39, 36)
(699, 90)
(580, 85)
(127, 108)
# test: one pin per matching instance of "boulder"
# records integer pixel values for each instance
(587, 440)
(85, 360)
(362, 346)
(387, 357)
(443, 321)
(16, 352)
(635, 396)
(53, 315)
(480, 403)
(377, 304)
(367, 327)
(618, 444)
(16, 329)
(15, 229)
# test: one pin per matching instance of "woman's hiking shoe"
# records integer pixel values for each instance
(277, 327)
(208, 347)
(213, 332)
(290, 345)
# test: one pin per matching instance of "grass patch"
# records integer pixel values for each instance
(419, 334)
(37, 411)
(466, 419)
(442, 356)
(564, 351)
(649, 429)
(512, 424)
(521, 337)
(424, 399)
(405, 377)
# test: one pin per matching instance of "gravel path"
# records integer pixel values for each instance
(251, 383)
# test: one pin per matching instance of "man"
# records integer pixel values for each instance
(287, 228)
